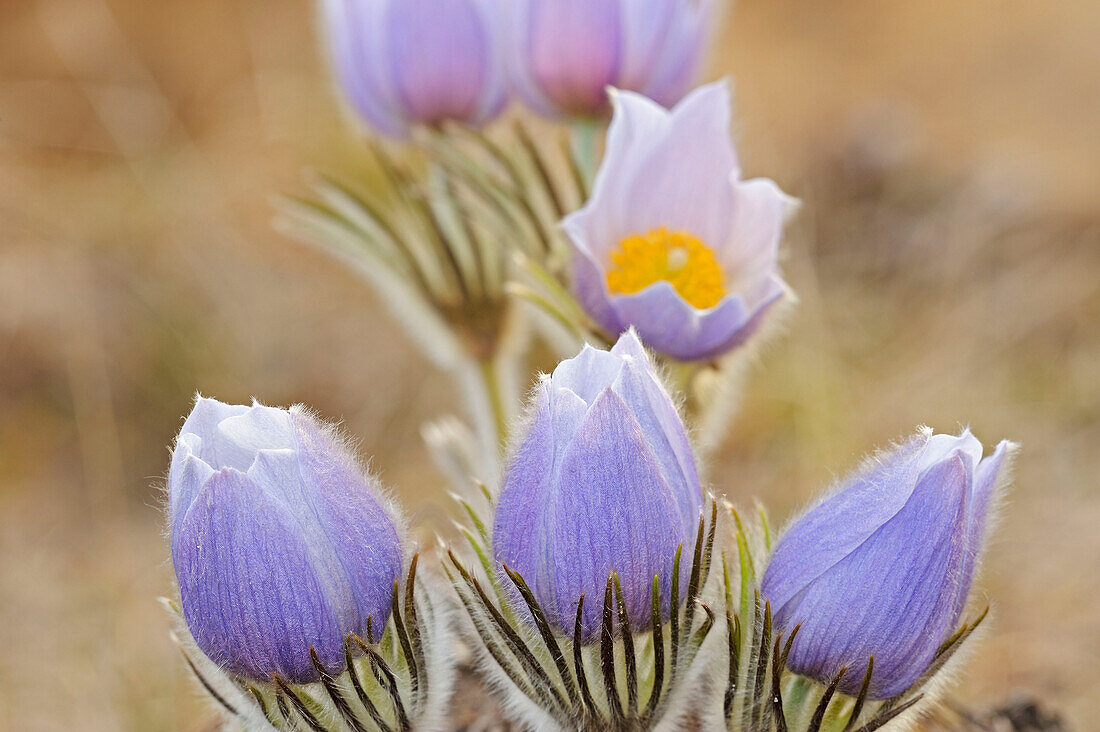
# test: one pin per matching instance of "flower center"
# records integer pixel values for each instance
(674, 256)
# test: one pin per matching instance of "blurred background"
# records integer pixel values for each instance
(947, 259)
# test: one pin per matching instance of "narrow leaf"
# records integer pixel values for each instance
(628, 651)
(578, 664)
(861, 697)
(360, 692)
(658, 650)
(823, 705)
(298, 704)
(543, 626)
(607, 656)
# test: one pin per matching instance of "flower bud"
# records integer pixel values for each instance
(565, 53)
(883, 566)
(693, 267)
(407, 62)
(603, 480)
(281, 543)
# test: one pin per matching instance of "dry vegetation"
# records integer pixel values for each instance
(948, 263)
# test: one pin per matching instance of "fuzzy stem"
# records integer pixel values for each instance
(491, 378)
(585, 137)
(795, 702)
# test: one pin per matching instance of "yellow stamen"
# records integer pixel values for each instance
(675, 256)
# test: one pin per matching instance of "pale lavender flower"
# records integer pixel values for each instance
(672, 241)
(565, 53)
(603, 480)
(883, 566)
(408, 62)
(280, 541)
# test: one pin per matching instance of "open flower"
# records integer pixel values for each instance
(281, 543)
(672, 242)
(883, 566)
(603, 480)
(565, 53)
(407, 62)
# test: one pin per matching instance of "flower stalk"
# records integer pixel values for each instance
(496, 400)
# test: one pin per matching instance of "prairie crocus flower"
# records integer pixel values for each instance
(565, 53)
(603, 480)
(281, 543)
(408, 62)
(672, 242)
(883, 566)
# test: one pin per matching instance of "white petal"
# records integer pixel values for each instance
(682, 180)
(940, 447)
(759, 210)
(587, 373)
(206, 414)
(238, 439)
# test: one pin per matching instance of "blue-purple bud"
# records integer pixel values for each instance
(280, 541)
(883, 566)
(603, 480)
(408, 62)
(565, 53)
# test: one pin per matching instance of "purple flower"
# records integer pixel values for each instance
(407, 62)
(603, 480)
(565, 53)
(883, 566)
(280, 541)
(672, 242)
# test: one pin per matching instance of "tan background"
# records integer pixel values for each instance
(948, 261)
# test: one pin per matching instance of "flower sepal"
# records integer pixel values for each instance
(626, 677)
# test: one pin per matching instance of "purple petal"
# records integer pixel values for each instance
(613, 510)
(677, 67)
(251, 596)
(440, 57)
(517, 525)
(987, 477)
(645, 40)
(658, 419)
(573, 49)
(186, 477)
(361, 532)
(494, 89)
(893, 595)
(520, 73)
(354, 35)
(842, 522)
(667, 323)
(590, 288)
